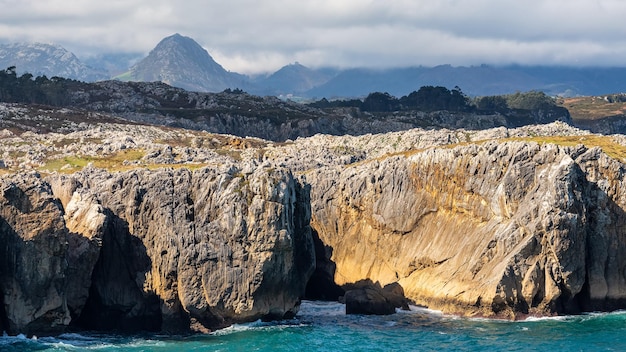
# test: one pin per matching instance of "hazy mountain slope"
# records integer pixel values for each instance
(113, 63)
(294, 78)
(46, 59)
(359, 82)
(476, 80)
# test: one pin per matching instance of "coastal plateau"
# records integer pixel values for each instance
(110, 225)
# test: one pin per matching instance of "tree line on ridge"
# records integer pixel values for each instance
(54, 91)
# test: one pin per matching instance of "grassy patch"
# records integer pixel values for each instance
(126, 76)
(592, 108)
(606, 143)
(110, 162)
(233, 154)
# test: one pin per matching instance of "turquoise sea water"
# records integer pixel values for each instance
(324, 327)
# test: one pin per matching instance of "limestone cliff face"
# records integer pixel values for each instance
(165, 250)
(44, 265)
(498, 229)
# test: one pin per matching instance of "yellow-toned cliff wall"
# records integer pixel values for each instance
(496, 229)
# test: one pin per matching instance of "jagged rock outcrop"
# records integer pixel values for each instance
(494, 229)
(216, 247)
(45, 259)
(164, 250)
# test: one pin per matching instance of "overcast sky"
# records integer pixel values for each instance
(251, 36)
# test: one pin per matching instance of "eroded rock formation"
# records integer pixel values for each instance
(165, 250)
(495, 229)
(45, 266)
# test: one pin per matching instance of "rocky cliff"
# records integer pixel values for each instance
(501, 222)
(492, 229)
(165, 250)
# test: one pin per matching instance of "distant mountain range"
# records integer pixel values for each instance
(181, 62)
(47, 59)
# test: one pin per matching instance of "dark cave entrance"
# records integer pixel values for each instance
(321, 285)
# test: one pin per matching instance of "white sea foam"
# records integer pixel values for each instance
(237, 328)
(75, 336)
(603, 314)
(553, 318)
(259, 326)
(321, 308)
(423, 310)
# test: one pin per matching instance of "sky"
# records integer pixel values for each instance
(256, 36)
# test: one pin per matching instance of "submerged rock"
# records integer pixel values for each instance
(367, 300)
(366, 297)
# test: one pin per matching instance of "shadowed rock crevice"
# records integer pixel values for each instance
(17, 198)
(116, 300)
(3, 314)
(605, 241)
(321, 285)
(6, 236)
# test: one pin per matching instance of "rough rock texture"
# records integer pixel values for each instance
(206, 248)
(165, 250)
(496, 229)
(45, 262)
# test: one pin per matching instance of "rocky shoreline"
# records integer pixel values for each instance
(111, 225)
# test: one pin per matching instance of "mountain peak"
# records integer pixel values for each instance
(180, 61)
(176, 38)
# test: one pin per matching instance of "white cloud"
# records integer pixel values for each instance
(251, 36)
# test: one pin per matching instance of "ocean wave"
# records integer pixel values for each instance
(8, 339)
(616, 313)
(259, 326)
(537, 319)
(78, 342)
(419, 309)
(549, 318)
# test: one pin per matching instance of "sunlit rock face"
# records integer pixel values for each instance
(495, 229)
